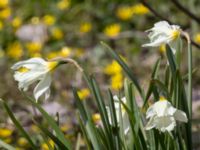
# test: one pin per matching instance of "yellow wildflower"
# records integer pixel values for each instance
(65, 127)
(65, 52)
(84, 93)
(63, 4)
(139, 9)
(34, 128)
(5, 13)
(52, 54)
(49, 20)
(34, 47)
(35, 20)
(162, 49)
(8, 140)
(1, 25)
(22, 142)
(112, 30)
(117, 81)
(16, 22)
(112, 68)
(45, 145)
(124, 13)
(15, 50)
(4, 3)
(85, 27)
(4, 132)
(79, 52)
(96, 117)
(2, 53)
(57, 33)
(197, 38)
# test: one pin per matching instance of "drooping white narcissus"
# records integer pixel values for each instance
(163, 33)
(32, 70)
(163, 116)
(120, 112)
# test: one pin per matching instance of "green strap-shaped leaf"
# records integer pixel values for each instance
(19, 126)
(52, 123)
(125, 67)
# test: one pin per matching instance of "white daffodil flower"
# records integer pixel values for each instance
(119, 113)
(163, 33)
(163, 116)
(32, 70)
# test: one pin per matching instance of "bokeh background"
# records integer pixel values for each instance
(74, 28)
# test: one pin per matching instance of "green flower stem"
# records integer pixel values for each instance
(190, 78)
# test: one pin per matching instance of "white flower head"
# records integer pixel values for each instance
(163, 33)
(163, 116)
(35, 69)
(119, 112)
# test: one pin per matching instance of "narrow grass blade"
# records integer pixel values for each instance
(80, 106)
(52, 123)
(92, 133)
(126, 69)
(18, 125)
(53, 137)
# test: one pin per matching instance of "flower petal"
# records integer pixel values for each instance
(180, 116)
(165, 123)
(42, 87)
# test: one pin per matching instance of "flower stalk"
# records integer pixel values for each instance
(186, 35)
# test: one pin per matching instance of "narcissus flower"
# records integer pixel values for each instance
(163, 33)
(29, 71)
(163, 116)
(120, 112)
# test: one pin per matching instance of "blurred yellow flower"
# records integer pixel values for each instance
(65, 52)
(57, 33)
(139, 9)
(22, 142)
(35, 20)
(96, 117)
(124, 13)
(34, 47)
(63, 4)
(16, 22)
(85, 27)
(49, 20)
(112, 68)
(2, 53)
(45, 146)
(4, 3)
(52, 54)
(115, 71)
(1, 25)
(5, 133)
(65, 127)
(34, 128)
(197, 38)
(5, 13)
(79, 52)
(162, 49)
(117, 81)
(112, 30)
(7, 140)
(15, 50)
(83, 93)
